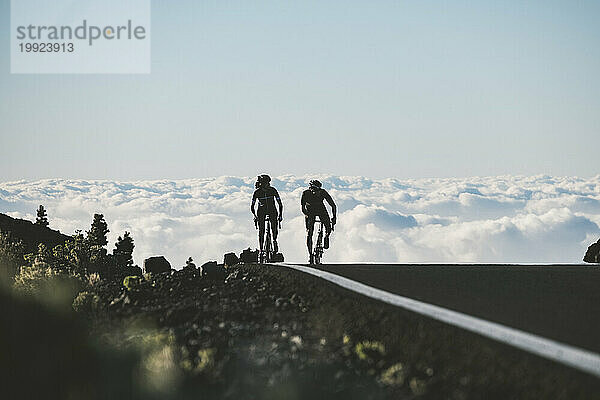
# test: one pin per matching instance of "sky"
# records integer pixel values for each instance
(503, 219)
(383, 89)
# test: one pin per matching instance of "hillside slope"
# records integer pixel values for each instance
(30, 234)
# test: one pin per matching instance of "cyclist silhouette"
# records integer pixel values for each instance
(266, 196)
(312, 207)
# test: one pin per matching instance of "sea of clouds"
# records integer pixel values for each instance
(504, 219)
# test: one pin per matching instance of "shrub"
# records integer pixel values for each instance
(368, 350)
(93, 279)
(11, 256)
(43, 282)
(393, 376)
(130, 282)
(86, 303)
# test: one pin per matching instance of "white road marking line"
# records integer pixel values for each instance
(577, 358)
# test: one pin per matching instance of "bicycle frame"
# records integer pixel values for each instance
(318, 248)
(266, 255)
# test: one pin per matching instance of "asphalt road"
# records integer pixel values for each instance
(557, 302)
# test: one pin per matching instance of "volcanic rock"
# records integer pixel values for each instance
(592, 255)
(230, 259)
(156, 265)
(211, 270)
(248, 256)
(278, 257)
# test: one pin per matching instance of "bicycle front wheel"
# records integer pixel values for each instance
(318, 252)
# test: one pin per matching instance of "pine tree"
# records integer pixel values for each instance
(96, 241)
(42, 218)
(123, 251)
(96, 236)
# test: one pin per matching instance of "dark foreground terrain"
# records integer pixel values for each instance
(559, 302)
(265, 332)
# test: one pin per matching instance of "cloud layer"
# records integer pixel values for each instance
(490, 219)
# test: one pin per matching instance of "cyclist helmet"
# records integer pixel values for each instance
(263, 179)
(315, 184)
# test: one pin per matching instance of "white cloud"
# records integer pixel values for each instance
(481, 219)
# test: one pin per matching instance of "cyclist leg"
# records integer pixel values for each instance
(261, 229)
(274, 230)
(310, 227)
(327, 224)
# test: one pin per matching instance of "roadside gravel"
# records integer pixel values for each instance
(270, 332)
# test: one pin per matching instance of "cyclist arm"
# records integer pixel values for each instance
(280, 204)
(303, 204)
(329, 200)
(252, 205)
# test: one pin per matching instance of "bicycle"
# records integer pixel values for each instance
(318, 249)
(268, 254)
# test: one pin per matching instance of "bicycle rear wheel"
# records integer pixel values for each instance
(268, 243)
(318, 251)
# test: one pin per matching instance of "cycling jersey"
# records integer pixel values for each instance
(312, 202)
(266, 200)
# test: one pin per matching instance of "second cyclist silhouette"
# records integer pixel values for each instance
(312, 207)
(266, 195)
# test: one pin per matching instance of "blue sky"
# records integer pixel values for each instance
(381, 89)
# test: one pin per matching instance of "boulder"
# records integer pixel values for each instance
(230, 259)
(248, 256)
(157, 265)
(211, 270)
(592, 255)
(278, 257)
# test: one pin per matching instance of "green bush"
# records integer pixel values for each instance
(11, 257)
(130, 282)
(47, 284)
(87, 303)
